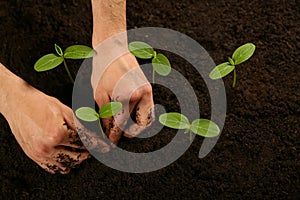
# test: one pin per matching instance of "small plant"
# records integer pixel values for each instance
(160, 62)
(239, 56)
(202, 127)
(88, 114)
(50, 61)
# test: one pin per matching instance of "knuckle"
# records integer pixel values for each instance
(40, 150)
(136, 95)
(54, 100)
(146, 90)
(97, 98)
(55, 138)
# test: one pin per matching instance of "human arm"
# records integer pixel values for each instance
(116, 73)
(41, 124)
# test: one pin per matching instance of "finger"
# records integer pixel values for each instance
(69, 117)
(102, 99)
(119, 122)
(107, 124)
(54, 167)
(73, 140)
(71, 137)
(46, 163)
(144, 117)
(129, 90)
(69, 158)
(115, 134)
(92, 141)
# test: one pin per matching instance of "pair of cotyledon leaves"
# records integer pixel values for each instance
(239, 56)
(89, 114)
(160, 62)
(52, 60)
(202, 127)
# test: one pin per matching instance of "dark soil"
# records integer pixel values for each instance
(257, 155)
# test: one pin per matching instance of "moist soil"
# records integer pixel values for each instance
(257, 154)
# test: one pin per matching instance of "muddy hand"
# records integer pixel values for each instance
(114, 67)
(124, 81)
(91, 140)
(42, 125)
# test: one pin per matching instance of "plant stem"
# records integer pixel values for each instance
(234, 78)
(68, 71)
(153, 76)
(100, 127)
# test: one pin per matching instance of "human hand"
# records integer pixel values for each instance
(123, 81)
(116, 74)
(44, 128)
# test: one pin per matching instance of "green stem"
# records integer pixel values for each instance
(153, 76)
(234, 78)
(68, 71)
(100, 127)
(188, 130)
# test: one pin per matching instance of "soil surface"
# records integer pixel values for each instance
(257, 155)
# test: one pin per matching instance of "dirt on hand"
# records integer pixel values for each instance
(256, 156)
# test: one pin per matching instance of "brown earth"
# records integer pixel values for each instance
(257, 155)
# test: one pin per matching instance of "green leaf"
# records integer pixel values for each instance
(48, 62)
(161, 64)
(174, 120)
(110, 109)
(58, 50)
(221, 70)
(243, 53)
(141, 50)
(79, 52)
(87, 114)
(231, 61)
(205, 128)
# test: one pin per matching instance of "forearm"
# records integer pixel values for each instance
(109, 18)
(109, 35)
(10, 85)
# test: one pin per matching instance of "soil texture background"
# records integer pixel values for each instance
(257, 155)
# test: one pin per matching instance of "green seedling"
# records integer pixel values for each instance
(50, 61)
(202, 127)
(239, 56)
(89, 114)
(160, 63)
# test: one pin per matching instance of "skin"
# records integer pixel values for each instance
(50, 138)
(110, 80)
(44, 141)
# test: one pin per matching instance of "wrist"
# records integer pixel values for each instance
(11, 87)
(108, 52)
(109, 19)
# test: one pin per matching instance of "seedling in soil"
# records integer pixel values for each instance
(239, 56)
(50, 61)
(89, 114)
(160, 63)
(202, 127)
